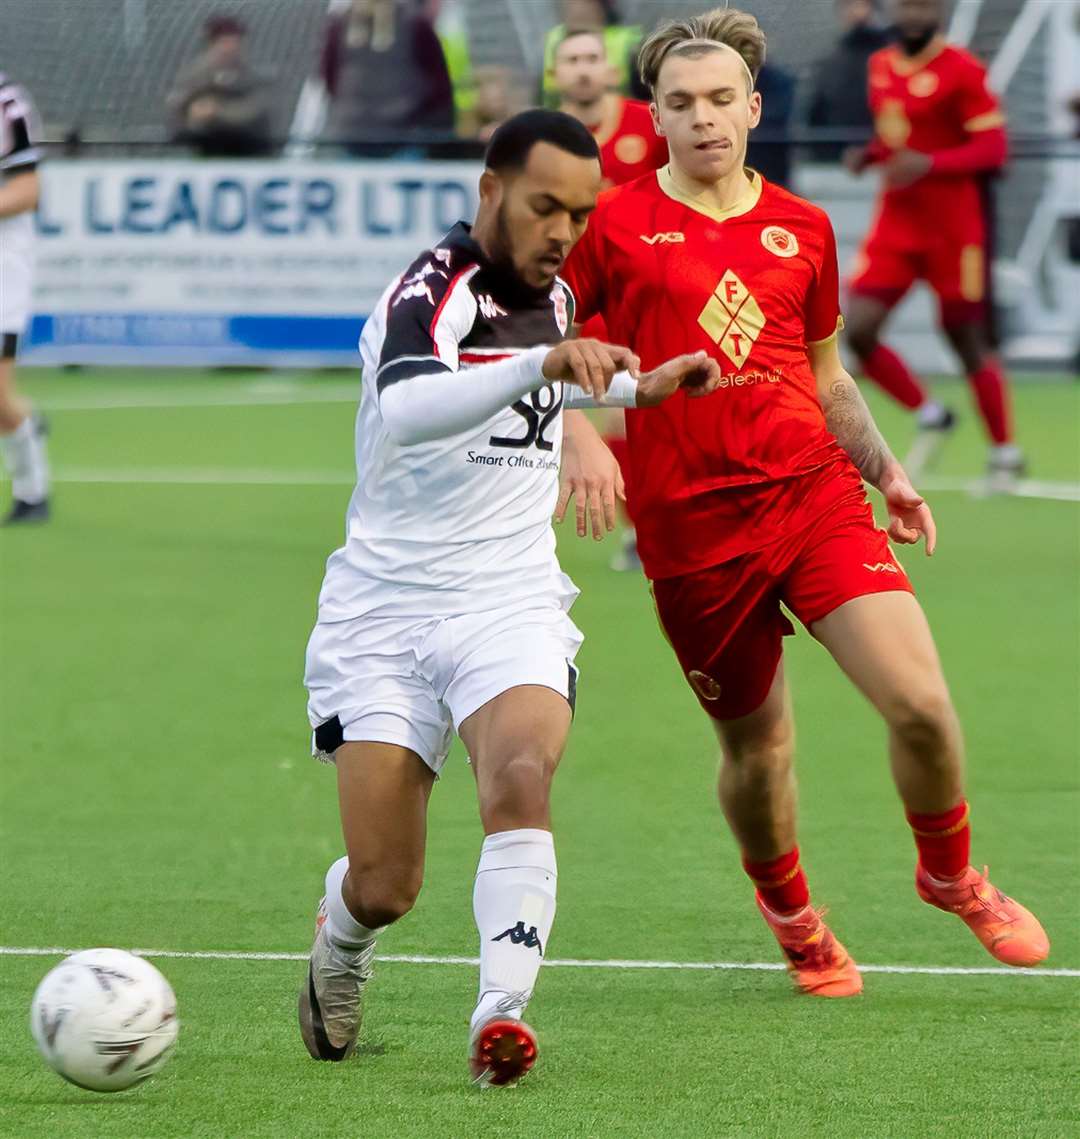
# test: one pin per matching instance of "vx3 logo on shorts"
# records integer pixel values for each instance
(519, 935)
(881, 567)
(663, 238)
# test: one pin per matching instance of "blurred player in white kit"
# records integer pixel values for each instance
(22, 433)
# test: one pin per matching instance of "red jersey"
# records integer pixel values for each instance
(718, 477)
(936, 103)
(629, 144)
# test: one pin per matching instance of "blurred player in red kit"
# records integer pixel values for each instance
(629, 148)
(753, 496)
(939, 133)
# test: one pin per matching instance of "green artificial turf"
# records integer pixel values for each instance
(156, 792)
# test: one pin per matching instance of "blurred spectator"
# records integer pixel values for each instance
(385, 74)
(495, 99)
(582, 74)
(769, 151)
(219, 103)
(447, 17)
(620, 40)
(838, 96)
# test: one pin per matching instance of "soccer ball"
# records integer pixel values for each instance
(104, 1019)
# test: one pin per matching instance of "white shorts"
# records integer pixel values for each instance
(413, 681)
(16, 292)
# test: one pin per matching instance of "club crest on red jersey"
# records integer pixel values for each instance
(779, 241)
(923, 84)
(558, 300)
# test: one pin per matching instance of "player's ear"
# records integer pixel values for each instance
(654, 110)
(491, 189)
(755, 109)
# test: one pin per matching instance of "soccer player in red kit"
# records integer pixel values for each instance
(753, 496)
(939, 133)
(629, 148)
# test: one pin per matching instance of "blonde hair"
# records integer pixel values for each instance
(719, 29)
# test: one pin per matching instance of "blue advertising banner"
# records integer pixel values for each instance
(213, 262)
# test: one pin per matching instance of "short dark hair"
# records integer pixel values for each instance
(511, 144)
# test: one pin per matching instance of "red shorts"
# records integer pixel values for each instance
(950, 258)
(725, 623)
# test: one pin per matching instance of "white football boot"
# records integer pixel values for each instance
(332, 999)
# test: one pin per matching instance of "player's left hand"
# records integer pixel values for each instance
(906, 167)
(697, 373)
(590, 475)
(909, 516)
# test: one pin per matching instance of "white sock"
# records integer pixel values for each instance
(514, 906)
(26, 461)
(341, 927)
(931, 414)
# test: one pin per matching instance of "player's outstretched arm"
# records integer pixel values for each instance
(590, 476)
(849, 419)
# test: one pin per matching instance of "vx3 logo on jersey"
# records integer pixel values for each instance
(663, 238)
(489, 310)
(881, 567)
(519, 935)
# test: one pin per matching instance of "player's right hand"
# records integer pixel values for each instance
(696, 372)
(590, 364)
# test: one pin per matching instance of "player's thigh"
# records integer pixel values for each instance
(515, 742)
(365, 685)
(882, 641)
(766, 733)
(383, 793)
(511, 688)
(727, 629)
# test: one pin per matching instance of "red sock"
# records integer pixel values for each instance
(943, 841)
(621, 450)
(992, 396)
(780, 882)
(888, 371)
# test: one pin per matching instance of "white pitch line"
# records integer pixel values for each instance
(1025, 488)
(565, 963)
(211, 476)
(350, 394)
(226, 476)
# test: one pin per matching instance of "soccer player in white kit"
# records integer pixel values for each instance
(446, 608)
(22, 433)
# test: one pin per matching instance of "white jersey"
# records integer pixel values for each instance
(461, 524)
(18, 153)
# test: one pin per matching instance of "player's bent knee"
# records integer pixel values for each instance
(518, 794)
(923, 719)
(378, 900)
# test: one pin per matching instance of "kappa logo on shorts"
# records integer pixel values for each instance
(881, 567)
(703, 685)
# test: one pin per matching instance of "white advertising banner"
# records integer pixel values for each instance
(216, 262)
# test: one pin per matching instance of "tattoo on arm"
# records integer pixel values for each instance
(849, 419)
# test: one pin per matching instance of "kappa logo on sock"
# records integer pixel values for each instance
(519, 935)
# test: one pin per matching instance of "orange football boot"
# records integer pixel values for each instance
(1010, 933)
(817, 962)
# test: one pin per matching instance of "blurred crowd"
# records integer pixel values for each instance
(395, 72)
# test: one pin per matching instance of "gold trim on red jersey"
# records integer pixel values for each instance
(747, 201)
(989, 121)
(828, 339)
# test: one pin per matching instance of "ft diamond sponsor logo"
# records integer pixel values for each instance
(732, 318)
